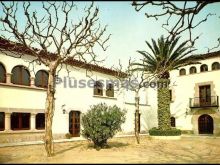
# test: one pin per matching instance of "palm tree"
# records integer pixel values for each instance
(165, 56)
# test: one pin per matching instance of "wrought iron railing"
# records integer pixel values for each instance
(199, 102)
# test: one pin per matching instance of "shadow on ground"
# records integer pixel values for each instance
(109, 145)
(66, 149)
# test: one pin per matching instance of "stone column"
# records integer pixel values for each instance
(33, 120)
(32, 82)
(8, 78)
(7, 121)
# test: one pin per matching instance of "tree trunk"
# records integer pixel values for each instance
(137, 99)
(163, 98)
(50, 102)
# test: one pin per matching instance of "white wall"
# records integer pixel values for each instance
(184, 88)
(79, 99)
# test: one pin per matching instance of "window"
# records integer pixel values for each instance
(20, 121)
(40, 121)
(20, 75)
(2, 121)
(2, 74)
(182, 72)
(192, 70)
(204, 68)
(173, 122)
(41, 79)
(215, 66)
(110, 90)
(170, 95)
(98, 88)
(139, 123)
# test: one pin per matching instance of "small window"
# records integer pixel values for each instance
(110, 90)
(192, 70)
(182, 72)
(204, 68)
(2, 74)
(2, 121)
(98, 88)
(139, 123)
(40, 121)
(20, 76)
(170, 95)
(173, 121)
(20, 121)
(41, 79)
(215, 66)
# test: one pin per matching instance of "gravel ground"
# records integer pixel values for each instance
(120, 150)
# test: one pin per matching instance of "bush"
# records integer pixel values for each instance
(169, 132)
(68, 135)
(102, 122)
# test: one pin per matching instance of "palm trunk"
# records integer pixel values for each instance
(50, 102)
(137, 99)
(163, 98)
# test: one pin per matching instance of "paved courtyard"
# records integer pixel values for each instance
(121, 150)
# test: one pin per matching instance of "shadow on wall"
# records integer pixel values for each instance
(148, 118)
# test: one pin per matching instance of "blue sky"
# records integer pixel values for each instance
(130, 29)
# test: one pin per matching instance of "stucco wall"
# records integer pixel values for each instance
(31, 99)
(187, 86)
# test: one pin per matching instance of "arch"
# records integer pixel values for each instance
(182, 72)
(215, 66)
(98, 88)
(41, 79)
(192, 70)
(2, 73)
(205, 124)
(20, 75)
(173, 121)
(204, 68)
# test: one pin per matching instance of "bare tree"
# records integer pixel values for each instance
(180, 16)
(53, 39)
(134, 80)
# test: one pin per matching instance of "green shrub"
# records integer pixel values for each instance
(68, 135)
(169, 132)
(102, 122)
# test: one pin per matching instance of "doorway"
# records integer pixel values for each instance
(205, 123)
(74, 123)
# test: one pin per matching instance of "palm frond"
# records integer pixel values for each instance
(165, 55)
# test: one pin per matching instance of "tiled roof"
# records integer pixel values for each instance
(207, 55)
(11, 46)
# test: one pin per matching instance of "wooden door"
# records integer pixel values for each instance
(74, 123)
(205, 124)
(205, 95)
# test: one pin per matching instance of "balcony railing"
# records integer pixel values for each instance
(200, 102)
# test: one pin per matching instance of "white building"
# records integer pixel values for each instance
(23, 96)
(195, 95)
(194, 106)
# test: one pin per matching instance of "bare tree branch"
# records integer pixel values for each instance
(53, 40)
(183, 16)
